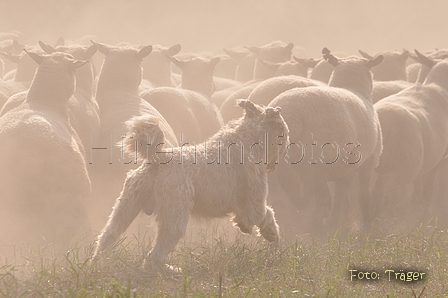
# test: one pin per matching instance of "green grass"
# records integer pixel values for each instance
(220, 264)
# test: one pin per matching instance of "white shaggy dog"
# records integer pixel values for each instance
(226, 175)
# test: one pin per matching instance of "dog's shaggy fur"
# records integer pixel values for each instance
(225, 175)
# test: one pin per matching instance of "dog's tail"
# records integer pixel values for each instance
(145, 136)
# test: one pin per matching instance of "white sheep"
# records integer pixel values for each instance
(415, 137)
(118, 98)
(192, 100)
(392, 68)
(334, 134)
(157, 66)
(226, 176)
(82, 106)
(264, 93)
(244, 71)
(23, 75)
(274, 52)
(42, 170)
(391, 76)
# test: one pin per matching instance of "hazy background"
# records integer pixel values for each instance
(210, 25)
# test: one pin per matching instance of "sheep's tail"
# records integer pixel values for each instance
(145, 136)
(127, 206)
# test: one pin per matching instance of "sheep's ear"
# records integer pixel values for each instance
(78, 63)
(11, 57)
(236, 55)
(249, 107)
(174, 50)
(254, 50)
(414, 57)
(425, 60)
(143, 52)
(213, 62)
(17, 45)
(365, 55)
(270, 65)
(374, 62)
(59, 42)
(329, 57)
(36, 57)
(47, 48)
(287, 50)
(90, 52)
(102, 48)
(311, 63)
(177, 62)
(8, 48)
(403, 56)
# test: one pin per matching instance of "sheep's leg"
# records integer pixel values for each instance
(379, 196)
(292, 186)
(341, 201)
(422, 198)
(322, 198)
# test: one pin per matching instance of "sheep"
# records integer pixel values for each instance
(392, 68)
(118, 99)
(391, 76)
(274, 52)
(157, 66)
(198, 183)
(226, 68)
(422, 70)
(189, 108)
(22, 77)
(415, 132)
(10, 47)
(264, 92)
(382, 89)
(291, 67)
(244, 71)
(197, 74)
(82, 106)
(42, 169)
(340, 115)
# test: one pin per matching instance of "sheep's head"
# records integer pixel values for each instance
(197, 74)
(352, 73)
(55, 74)
(393, 66)
(157, 66)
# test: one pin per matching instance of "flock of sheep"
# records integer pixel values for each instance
(202, 138)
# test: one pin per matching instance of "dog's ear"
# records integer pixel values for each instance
(249, 107)
(273, 112)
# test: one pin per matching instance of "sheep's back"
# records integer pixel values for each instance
(334, 116)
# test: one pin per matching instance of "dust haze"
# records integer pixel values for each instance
(200, 25)
(209, 26)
